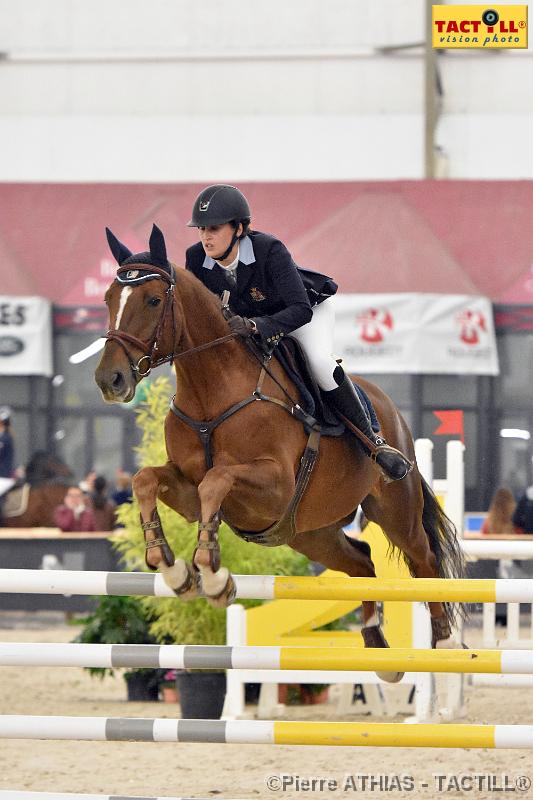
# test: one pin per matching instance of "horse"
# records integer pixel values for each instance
(32, 503)
(234, 453)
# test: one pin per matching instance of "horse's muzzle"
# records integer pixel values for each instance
(116, 386)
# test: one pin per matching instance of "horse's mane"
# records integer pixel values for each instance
(43, 467)
(187, 280)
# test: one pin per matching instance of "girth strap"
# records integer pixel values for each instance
(285, 529)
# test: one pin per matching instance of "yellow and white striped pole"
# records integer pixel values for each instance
(338, 734)
(272, 587)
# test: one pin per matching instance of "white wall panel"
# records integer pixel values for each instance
(112, 148)
(132, 24)
(301, 84)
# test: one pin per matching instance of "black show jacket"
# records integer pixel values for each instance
(269, 287)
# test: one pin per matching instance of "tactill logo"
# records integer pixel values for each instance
(477, 26)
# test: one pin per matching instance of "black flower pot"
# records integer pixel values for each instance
(202, 694)
(143, 685)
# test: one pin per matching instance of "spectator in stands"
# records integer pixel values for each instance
(123, 492)
(7, 448)
(74, 514)
(523, 515)
(499, 518)
(87, 484)
(102, 507)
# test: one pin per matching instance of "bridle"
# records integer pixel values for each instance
(144, 365)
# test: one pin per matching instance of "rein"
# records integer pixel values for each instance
(150, 347)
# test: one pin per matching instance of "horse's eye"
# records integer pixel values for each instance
(154, 301)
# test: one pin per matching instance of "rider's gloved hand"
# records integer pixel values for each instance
(242, 326)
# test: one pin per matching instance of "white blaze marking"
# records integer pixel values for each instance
(125, 293)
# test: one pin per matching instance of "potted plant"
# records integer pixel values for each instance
(122, 620)
(169, 691)
(195, 622)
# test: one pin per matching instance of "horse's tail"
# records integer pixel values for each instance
(444, 544)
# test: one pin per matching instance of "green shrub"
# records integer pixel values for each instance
(195, 622)
(115, 620)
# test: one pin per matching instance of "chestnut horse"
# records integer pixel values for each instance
(247, 472)
(32, 504)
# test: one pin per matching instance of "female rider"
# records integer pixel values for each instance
(269, 300)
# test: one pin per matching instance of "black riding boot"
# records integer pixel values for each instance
(346, 401)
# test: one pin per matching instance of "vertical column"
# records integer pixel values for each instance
(455, 478)
(424, 459)
(234, 704)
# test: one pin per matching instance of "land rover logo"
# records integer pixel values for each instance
(10, 346)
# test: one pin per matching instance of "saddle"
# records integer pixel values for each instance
(293, 359)
(15, 501)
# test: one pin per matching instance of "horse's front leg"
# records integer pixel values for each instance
(217, 582)
(168, 484)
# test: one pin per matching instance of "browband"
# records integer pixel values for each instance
(138, 273)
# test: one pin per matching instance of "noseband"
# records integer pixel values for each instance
(148, 361)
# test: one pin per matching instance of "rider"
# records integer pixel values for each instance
(269, 300)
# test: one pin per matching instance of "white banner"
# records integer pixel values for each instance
(25, 336)
(415, 333)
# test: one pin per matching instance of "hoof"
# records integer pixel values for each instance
(451, 643)
(226, 596)
(183, 579)
(373, 637)
(390, 677)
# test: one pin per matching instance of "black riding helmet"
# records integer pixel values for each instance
(218, 204)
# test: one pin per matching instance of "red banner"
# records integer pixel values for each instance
(450, 422)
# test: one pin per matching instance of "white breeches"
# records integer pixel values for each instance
(316, 339)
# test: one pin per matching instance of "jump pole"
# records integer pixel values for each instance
(351, 734)
(272, 587)
(500, 662)
(9, 794)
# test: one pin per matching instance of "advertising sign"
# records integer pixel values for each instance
(25, 336)
(416, 333)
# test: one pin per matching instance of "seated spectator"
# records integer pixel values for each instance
(87, 484)
(523, 516)
(499, 518)
(73, 514)
(102, 507)
(123, 492)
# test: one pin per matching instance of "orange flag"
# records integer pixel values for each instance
(450, 422)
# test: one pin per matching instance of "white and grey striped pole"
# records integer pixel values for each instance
(10, 794)
(500, 662)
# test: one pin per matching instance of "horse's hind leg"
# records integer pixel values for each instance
(423, 547)
(168, 484)
(331, 547)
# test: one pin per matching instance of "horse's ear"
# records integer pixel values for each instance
(158, 249)
(119, 250)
